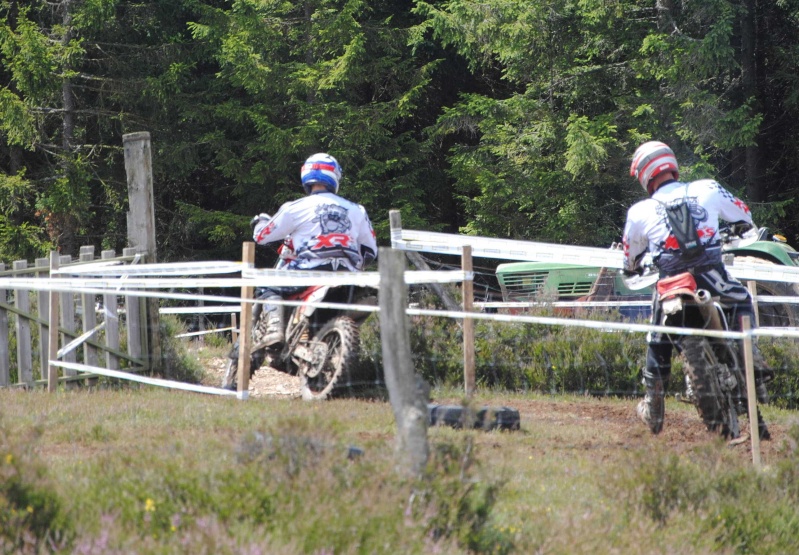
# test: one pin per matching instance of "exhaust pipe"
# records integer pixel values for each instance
(708, 309)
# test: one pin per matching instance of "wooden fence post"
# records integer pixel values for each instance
(749, 364)
(68, 319)
(5, 358)
(141, 224)
(245, 335)
(468, 324)
(23, 328)
(133, 318)
(52, 329)
(405, 393)
(89, 318)
(752, 286)
(43, 271)
(111, 316)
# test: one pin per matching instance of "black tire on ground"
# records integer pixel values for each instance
(230, 379)
(770, 314)
(342, 338)
(256, 357)
(711, 404)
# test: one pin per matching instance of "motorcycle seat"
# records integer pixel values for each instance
(681, 284)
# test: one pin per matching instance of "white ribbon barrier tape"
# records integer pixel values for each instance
(101, 268)
(143, 379)
(509, 249)
(764, 272)
(765, 299)
(250, 278)
(72, 345)
(604, 326)
(564, 304)
(206, 332)
(205, 309)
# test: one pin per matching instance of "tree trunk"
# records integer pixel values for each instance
(755, 188)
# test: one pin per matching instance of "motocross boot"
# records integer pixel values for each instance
(275, 333)
(652, 409)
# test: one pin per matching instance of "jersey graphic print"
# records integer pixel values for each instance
(333, 241)
(699, 215)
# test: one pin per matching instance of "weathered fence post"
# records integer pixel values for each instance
(141, 222)
(749, 365)
(468, 323)
(87, 308)
(23, 329)
(133, 318)
(5, 362)
(43, 271)
(68, 319)
(752, 286)
(111, 316)
(52, 330)
(404, 387)
(245, 335)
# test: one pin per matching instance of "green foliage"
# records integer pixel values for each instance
(31, 516)
(741, 510)
(178, 364)
(533, 357)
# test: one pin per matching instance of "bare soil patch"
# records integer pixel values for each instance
(608, 423)
(266, 382)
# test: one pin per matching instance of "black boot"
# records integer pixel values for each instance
(652, 409)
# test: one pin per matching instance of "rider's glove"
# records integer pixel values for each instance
(631, 273)
(258, 217)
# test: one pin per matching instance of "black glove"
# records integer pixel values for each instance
(631, 273)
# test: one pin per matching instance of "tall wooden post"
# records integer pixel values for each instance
(141, 223)
(405, 393)
(23, 328)
(43, 298)
(52, 323)
(111, 319)
(5, 355)
(245, 334)
(749, 363)
(468, 324)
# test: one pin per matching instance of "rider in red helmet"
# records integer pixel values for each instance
(648, 229)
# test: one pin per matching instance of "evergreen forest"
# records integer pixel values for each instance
(503, 118)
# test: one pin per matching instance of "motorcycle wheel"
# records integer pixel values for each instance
(713, 406)
(230, 379)
(342, 338)
(772, 314)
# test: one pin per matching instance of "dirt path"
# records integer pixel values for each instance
(265, 382)
(608, 418)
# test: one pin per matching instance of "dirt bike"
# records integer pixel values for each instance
(322, 343)
(714, 369)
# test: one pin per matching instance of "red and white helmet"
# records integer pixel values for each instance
(651, 159)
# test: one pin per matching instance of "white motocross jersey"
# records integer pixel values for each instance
(324, 229)
(647, 226)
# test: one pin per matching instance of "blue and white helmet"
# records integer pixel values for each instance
(321, 168)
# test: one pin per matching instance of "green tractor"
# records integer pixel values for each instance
(530, 281)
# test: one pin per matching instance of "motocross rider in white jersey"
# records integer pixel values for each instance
(327, 233)
(648, 229)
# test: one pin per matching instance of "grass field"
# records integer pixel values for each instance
(144, 470)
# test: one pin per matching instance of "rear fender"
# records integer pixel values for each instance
(314, 294)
